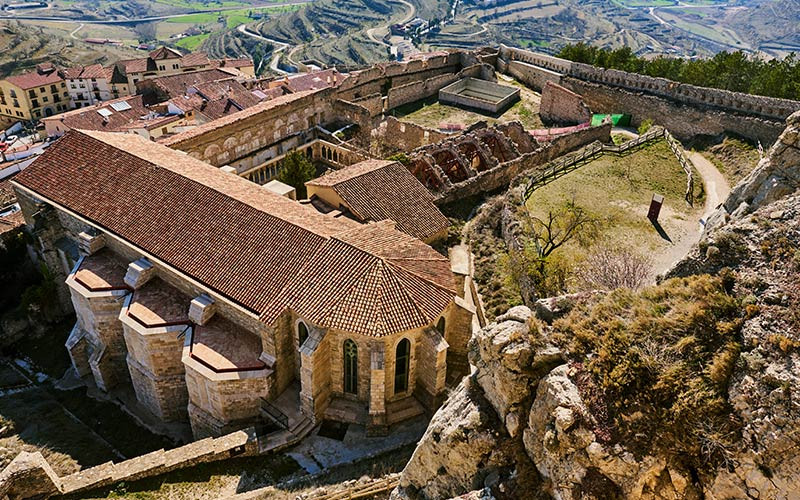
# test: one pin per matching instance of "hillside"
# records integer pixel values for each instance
(23, 47)
(682, 390)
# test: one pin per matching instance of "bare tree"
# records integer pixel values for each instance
(558, 227)
(610, 267)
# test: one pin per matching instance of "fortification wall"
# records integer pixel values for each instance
(563, 106)
(767, 107)
(534, 77)
(402, 136)
(372, 103)
(503, 174)
(683, 120)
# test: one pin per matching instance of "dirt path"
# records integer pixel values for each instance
(716, 190)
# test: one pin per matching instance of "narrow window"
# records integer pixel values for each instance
(401, 366)
(350, 367)
(302, 333)
(440, 326)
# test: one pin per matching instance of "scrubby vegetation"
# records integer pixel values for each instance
(660, 362)
(295, 170)
(734, 71)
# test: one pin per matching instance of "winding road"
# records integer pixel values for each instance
(276, 52)
(412, 11)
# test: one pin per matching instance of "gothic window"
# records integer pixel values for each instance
(302, 333)
(440, 326)
(402, 355)
(350, 367)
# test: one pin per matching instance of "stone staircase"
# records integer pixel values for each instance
(403, 409)
(286, 437)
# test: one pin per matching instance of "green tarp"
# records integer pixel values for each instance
(617, 120)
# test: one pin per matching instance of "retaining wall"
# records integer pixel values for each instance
(560, 105)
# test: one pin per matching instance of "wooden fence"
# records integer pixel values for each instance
(362, 490)
(570, 162)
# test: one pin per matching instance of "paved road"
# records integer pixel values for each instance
(276, 52)
(412, 11)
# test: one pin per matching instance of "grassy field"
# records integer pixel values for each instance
(617, 190)
(431, 113)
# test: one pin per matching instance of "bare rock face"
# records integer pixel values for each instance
(777, 175)
(461, 448)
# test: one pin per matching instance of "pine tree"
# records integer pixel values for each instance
(295, 170)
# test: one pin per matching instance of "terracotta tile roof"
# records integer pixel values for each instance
(102, 271)
(72, 73)
(376, 190)
(235, 117)
(176, 85)
(373, 281)
(195, 59)
(138, 65)
(222, 230)
(11, 222)
(33, 79)
(235, 63)
(7, 196)
(164, 53)
(88, 118)
(93, 71)
(261, 250)
(224, 346)
(316, 80)
(187, 102)
(158, 303)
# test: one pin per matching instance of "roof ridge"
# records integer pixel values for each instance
(404, 290)
(423, 278)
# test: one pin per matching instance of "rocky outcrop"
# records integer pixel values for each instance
(777, 175)
(543, 404)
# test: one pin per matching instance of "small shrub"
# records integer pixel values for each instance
(646, 125)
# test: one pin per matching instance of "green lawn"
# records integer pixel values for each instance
(193, 42)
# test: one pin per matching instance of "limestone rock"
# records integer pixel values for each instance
(458, 451)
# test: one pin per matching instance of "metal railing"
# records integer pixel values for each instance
(275, 414)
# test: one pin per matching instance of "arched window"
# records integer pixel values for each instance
(440, 326)
(402, 355)
(350, 367)
(302, 333)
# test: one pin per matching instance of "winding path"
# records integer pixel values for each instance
(276, 52)
(412, 11)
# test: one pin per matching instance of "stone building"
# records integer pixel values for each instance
(225, 304)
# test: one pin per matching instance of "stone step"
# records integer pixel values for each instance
(344, 410)
(403, 410)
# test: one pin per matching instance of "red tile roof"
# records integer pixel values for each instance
(138, 65)
(88, 118)
(176, 85)
(33, 79)
(259, 249)
(235, 63)
(164, 53)
(195, 59)
(316, 80)
(375, 190)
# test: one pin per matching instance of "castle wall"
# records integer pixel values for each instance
(684, 121)
(563, 106)
(256, 138)
(404, 136)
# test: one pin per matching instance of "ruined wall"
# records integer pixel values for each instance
(683, 121)
(404, 136)
(372, 103)
(767, 107)
(563, 106)
(501, 175)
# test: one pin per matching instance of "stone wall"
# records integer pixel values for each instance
(397, 135)
(563, 106)
(767, 107)
(533, 76)
(501, 175)
(684, 121)
(29, 475)
(244, 142)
